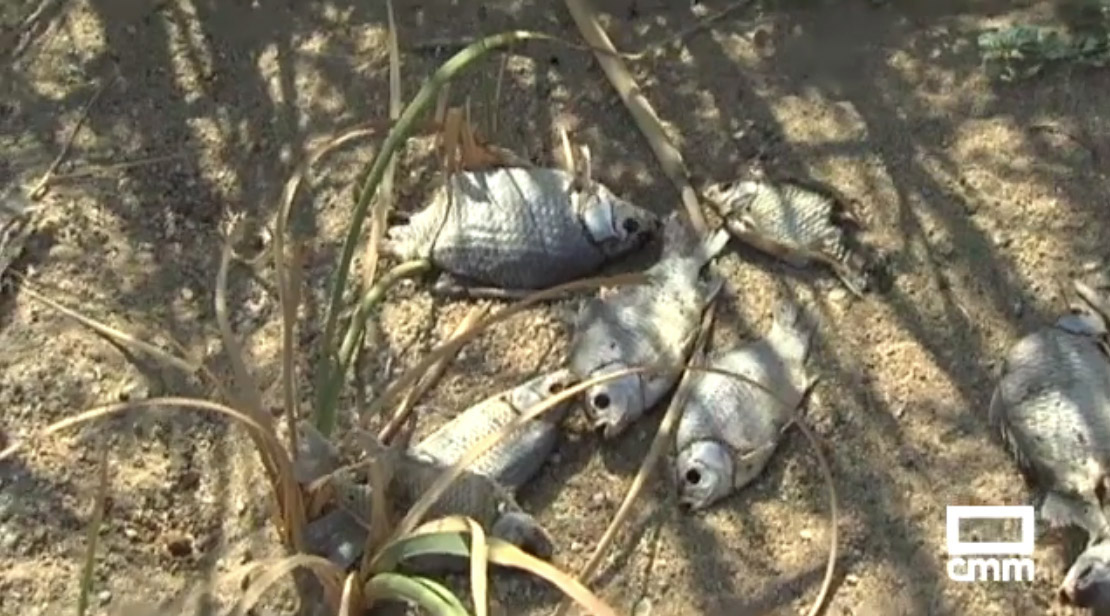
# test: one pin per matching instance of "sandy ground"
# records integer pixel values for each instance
(984, 195)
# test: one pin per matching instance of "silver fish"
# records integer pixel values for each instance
(341, 534)
(794, 223)
(1087, 582)
(643, 325)
(729, 427)
(503, 232)
(517, 458)
(1051, 408)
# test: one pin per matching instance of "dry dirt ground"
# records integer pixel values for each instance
(984, 195)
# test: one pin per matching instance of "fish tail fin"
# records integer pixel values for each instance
(315, 457)
(793, 328)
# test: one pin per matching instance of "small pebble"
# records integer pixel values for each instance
(105, 597)
(642, 607)
(838, 294)
(806, 534)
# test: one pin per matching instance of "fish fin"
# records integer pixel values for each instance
(316, 456)
(1060, 511)
(793, 327)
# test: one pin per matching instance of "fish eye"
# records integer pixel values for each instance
(630, 225)
(601, 401)
(693, 477)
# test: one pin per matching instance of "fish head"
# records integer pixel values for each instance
(614, 404)
(541, 388)
(1087, 583)
(704, 473)
(617, 226)
(734, 197)
(523, 531)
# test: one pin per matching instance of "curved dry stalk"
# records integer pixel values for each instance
(120, 407)
(92, 536)
(120, 336)
(330, 576)
(670, 159)
(479, 565)
(452, 346)
(434, 374)
(347, 599)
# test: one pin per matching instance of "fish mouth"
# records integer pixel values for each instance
(607, 429)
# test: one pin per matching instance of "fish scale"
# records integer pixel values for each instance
(516, 458)
(730, 427)
(801, 217)
(1052, 410)
(521, 228)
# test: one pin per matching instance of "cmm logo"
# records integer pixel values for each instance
(979, 562)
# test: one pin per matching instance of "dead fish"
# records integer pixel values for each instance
(500, 233)
(643, 325)
(1051, 408)
(1087, 582)
(729, 427)
(341, 534)
(519, 456)
(794, 223)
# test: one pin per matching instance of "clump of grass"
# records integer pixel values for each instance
(1022, 51)
(380, 576)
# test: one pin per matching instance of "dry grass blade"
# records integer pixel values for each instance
(330, 576)
(434, 374)
(381, 209)
(670, 159)
(114, 409)
(347, 600)
(119, 336)
(93, 535)
(248, 394)
(380, 474)
(453, 345)
(479, 566)
(44, 182)
(289, 290)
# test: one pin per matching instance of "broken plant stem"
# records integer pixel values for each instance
(368, 181)
(434, 374)
(329, 397)
(40, 189)
(670, 159)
